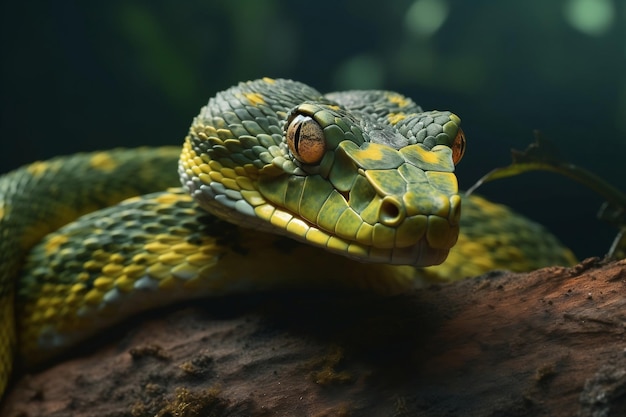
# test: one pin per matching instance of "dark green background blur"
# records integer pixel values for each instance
(84, 75)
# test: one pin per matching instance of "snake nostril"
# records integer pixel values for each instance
(391, 211)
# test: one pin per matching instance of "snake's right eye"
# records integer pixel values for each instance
(458, 147)
(305, 139)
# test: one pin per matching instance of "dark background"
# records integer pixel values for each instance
(82, 76)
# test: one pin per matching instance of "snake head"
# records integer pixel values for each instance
(366, 174)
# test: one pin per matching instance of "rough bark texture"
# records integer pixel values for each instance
(547, 343)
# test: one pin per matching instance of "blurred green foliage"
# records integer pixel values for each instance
(95, 75)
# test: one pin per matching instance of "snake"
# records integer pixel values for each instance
(276, 186)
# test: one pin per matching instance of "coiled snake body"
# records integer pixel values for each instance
(281, 187)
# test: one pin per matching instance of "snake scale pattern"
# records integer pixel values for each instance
(281, 187)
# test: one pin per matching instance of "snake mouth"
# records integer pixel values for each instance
(394, 238)
(419, 253)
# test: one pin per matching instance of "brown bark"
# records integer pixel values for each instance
(548, 343)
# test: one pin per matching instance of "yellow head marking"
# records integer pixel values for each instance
(103, 161)
(269, 80)
(373, 153)
(428, 156)
(401, 101)
(254, 98)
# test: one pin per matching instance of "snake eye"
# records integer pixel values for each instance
(458, 147)
(305, 138)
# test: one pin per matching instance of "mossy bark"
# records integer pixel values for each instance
(547, 343)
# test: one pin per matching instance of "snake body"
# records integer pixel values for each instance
(281, 187)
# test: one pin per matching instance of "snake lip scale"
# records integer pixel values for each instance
(89, 239)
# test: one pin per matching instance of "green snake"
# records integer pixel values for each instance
(281, 187)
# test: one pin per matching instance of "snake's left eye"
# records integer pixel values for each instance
(305, 138)
(458, 147)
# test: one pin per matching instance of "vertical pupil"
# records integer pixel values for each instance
(296, 138)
